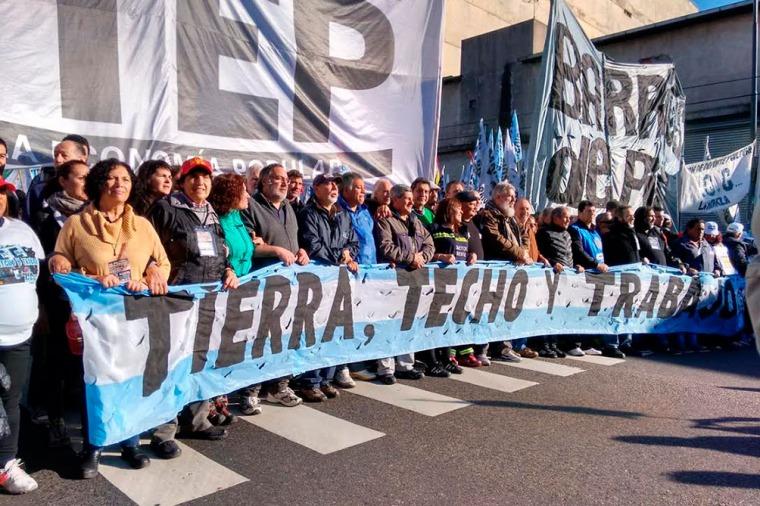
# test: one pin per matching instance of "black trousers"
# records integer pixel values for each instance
(17, 360)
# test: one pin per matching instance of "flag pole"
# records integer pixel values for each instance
(753, 105)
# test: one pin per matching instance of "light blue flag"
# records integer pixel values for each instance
(498, 157)
(514, 134)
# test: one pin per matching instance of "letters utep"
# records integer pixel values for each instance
(146, 357)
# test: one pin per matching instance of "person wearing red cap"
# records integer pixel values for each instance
(193, 237)
(21, 252)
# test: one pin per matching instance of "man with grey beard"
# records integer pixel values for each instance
(503, 240)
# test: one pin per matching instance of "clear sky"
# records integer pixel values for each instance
(709, 4)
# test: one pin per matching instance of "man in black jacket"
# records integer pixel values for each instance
(738, 250)
(621, 246)
(326, 233)
(652, 245)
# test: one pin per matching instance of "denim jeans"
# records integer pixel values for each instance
(615, 341)
(313, 379)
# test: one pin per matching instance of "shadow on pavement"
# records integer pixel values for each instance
(747, 446)
(745, 362)
(716, 479)
(739, 425)
(742, 389)
(631, 415)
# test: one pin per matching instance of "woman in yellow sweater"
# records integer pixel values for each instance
(109, 242)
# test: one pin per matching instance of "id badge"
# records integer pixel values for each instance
(654, 243)
(120, 269)
(205, 239)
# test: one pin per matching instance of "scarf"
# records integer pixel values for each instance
(121, 231)
(65, 204)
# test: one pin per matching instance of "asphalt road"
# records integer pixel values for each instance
(655, 430)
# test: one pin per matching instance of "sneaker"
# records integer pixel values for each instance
(330, 391)
(363, 375)
(166, 449)
(413, 374)
(386, 379)
(546, 351)
(58, 436)
(453, 367)
(557, 351)
(343, 379)
(135, 457)
(576, 352)
(484, 360)
(509, 355)
(250, 405)
(313, 394)
(15, 480)
(592, 351)
(469, 361)
(613, 352)
(223, 408)
(438, 371)
(528, 353)
(286, 397)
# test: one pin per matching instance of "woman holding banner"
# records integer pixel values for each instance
(108, 242)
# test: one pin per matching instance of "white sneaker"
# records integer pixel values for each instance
(15, 480)
(592, 351)
(286, 397)
(343, 379)
(576, 352)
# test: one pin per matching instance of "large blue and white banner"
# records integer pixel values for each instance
(146, 357)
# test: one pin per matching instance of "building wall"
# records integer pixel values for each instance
(469, 18)
(712, 55)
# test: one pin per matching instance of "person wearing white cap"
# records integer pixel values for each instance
(715, 239)
(738, 253)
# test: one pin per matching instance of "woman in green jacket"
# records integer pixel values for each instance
(228, 196)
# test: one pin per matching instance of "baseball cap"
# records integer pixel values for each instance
(467, 196)
(711, 228)
(5, 184)
(324, 178)
(193, 163)
(735, 228)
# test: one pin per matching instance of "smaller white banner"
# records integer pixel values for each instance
(716, 184)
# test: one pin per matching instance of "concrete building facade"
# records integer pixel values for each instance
(711, 50)
(469, 18)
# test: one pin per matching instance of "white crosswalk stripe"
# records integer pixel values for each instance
(598, 360)
(542, 366)
(492, 381)
(311, 428)
(410, 398)
(168, 482)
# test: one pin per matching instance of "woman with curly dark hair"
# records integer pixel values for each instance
(155, 179)
(109, 242)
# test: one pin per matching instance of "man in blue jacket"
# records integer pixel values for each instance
(326, 233)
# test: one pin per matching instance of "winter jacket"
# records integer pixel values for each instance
(502, 238)
(555, 244)
(737, 253)
(398, 240)
(621, 246)
(178, 226)
(275, 227)
(699, 256)
(587, 245)
(653, 247)
(325, 234)
(364, 227)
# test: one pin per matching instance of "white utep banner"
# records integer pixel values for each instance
(718, 183)
(604, 130)
(316, 84)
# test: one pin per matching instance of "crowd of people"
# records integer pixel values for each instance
(166, 225)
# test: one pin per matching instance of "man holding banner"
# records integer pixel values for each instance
(402, 240)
